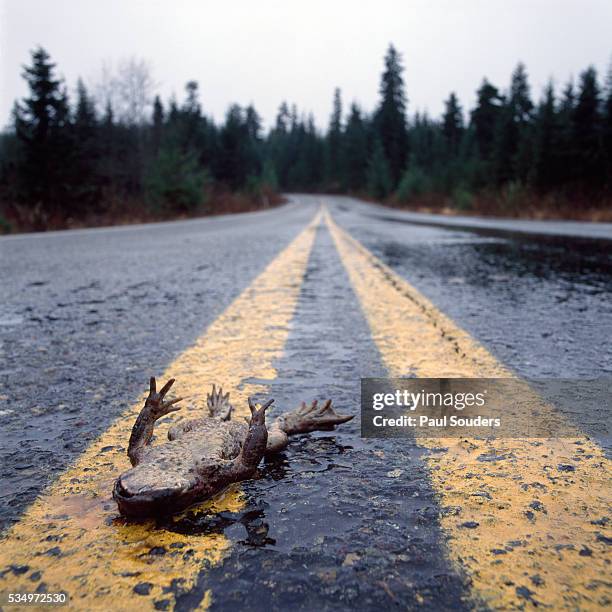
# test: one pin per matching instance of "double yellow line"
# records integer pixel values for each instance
(71, 536)
(525, 532)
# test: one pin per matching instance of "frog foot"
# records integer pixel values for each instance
(155, 403)
(155, 407)
(255, 443)
(312, 417)
(219, 405)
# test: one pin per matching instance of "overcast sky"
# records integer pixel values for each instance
(264, 51)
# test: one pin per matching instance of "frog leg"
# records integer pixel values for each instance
(303, 420)
(254, 445)
(277, 439)
(219, 405)
(154, 408)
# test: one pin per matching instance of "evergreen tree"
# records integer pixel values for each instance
(253, 124)
(313, 154)
(587, 131)
(192, 101)
(513, 139)
(175, 181)
(85, 153)
(173, 110)
(40, 120)
(190, 119)
(355, 149)
(107, 137)
(232, 161)
(379, 179)
(452, 125)
(426, 149)
(485, 117)
(158, 125)
(565, 118)
(607, 129)
(334, 170)
(519, 99)
(547, 169)
(390, 120)
(253, 153)
(85, 115)
(298, 172)
(283, 119)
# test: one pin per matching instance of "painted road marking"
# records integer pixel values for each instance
(72, 535)
(525, 531)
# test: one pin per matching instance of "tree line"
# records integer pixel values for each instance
(71, 157)
(508, 147)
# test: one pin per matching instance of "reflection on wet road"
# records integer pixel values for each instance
(543, 305)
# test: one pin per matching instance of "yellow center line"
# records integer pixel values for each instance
(539, 535)
(73, 536)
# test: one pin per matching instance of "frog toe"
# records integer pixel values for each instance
(218, 404)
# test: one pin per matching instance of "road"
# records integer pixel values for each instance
(297, 303)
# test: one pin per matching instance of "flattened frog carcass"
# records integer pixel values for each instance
(204, 455)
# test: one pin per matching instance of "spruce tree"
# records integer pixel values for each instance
(390, 120)
(607, 129)
(158, 125)
(566, 151)
(253, 144)
(40, 120)
(85, 154)
(379, 179)
(587, 131)
(452, 125)
(232, 166)
(334, 144)
(283, 120)
(484, 118)
(513, 142)
(355, 149)
(313, 148)
(519, 98)
(546, 172)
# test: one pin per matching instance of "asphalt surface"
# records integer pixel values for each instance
(540, 303)
(335, 522)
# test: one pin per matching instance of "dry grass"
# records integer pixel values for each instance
(518, 206)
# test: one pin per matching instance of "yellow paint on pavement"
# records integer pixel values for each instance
(540, 538)
(73, 536)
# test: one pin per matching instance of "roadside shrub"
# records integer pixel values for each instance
(269, 178)
(414, 182)
(175, 182)
(513, 196)
(5, 226)
(463, 199)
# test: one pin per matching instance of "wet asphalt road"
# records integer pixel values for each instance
(87, 316)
